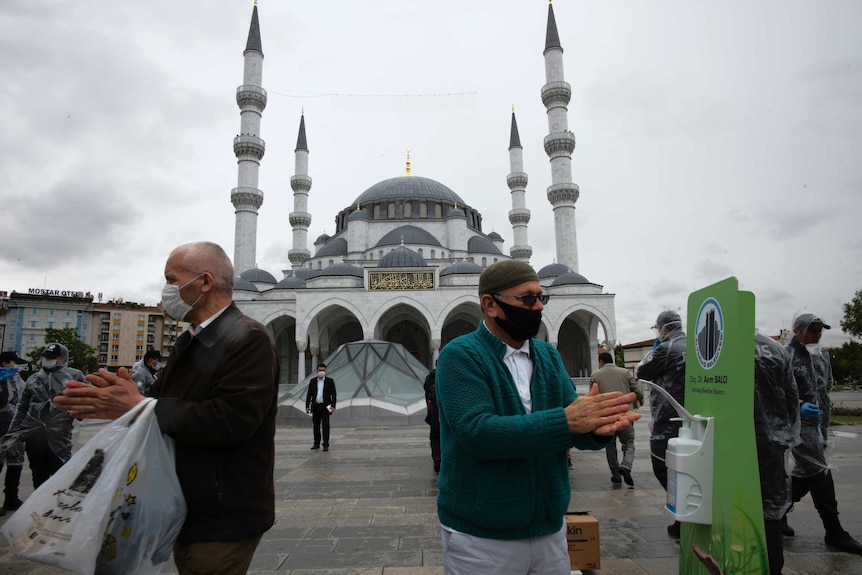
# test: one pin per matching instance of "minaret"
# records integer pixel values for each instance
(519, 216)
(300, 219)
(559, 145)
(249, 149)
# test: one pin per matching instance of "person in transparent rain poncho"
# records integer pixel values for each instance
(665, 366)
(811, 472)
(776, 430)
(11, 385)
(45, 429)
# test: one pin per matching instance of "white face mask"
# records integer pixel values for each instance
(321, 374)
(49, 364)
(172, 300)
(814, 348)
(157, 367)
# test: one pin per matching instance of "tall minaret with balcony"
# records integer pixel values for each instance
(249, 149)
(559, 145)
(300, 219)
(519, 216)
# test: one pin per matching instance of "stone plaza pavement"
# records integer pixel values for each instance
(367, 507)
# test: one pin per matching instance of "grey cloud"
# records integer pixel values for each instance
(74, 220)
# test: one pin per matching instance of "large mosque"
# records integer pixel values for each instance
(404, 261)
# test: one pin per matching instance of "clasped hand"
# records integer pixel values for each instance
(107, 396)
(601, 413)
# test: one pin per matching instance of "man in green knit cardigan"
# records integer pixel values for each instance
(508, 413)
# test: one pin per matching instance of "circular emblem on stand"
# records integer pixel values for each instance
(709, 333)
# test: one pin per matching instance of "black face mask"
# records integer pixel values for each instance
(521, 324)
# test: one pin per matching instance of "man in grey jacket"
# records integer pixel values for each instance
(610, 377)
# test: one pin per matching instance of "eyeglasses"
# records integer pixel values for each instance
(528, 300)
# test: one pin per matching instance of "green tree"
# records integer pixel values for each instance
(847, 362)
(619, 356)
(852, 322)
(81, 355)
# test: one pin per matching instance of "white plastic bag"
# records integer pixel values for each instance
(115, 507)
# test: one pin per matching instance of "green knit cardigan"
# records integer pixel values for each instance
(503, 472)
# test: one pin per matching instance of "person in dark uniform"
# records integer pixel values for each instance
(432, 418)
(320, 403)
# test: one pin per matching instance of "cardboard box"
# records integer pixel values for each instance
(582, 536)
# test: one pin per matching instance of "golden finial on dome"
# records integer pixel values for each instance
(408, 162)
(513, 108)
(302, 112)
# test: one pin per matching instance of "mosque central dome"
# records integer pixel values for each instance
(408, 188)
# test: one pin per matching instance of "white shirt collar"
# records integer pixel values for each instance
(197, 329)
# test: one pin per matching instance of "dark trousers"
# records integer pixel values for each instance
(43, 462)
(434, 438)
(774, 545)
(658, 449)
(320, 418)
(822, 489)
(215, 557)
(11, 482)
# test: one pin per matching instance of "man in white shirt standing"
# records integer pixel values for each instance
(320, 403)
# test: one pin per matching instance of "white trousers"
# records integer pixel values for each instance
(469, 555)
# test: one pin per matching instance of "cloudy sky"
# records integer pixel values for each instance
(714, 138)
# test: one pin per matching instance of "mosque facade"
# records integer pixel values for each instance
(404, 261)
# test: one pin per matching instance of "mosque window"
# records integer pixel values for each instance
(420, 251)
(484, 262)
(433, 254)
(376, 211)
(392, 210)
(408, 210)
(330, 262)
(423, 210)
(438, 211)
(380, 254)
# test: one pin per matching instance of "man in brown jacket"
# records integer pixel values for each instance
(612, 378)
(217, 399)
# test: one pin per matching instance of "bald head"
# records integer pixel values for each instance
(200, 257)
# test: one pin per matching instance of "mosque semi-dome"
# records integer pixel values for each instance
(322, 238)
(290, 282)
(341, 269)
(305, 273)
(402, 257)
(408, 234)
(553, 270)
(334, 247)
(495, 236)
(408, 188)
(242, 284)
(570, 278)
(462, 267)
(258, 275)
(481, 245)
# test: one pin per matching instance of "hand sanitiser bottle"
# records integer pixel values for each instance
(690, 461)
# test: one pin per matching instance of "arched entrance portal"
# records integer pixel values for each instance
(405, 325)
(574, 347)
(283, 332)
(463, 319)
(331, 328)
